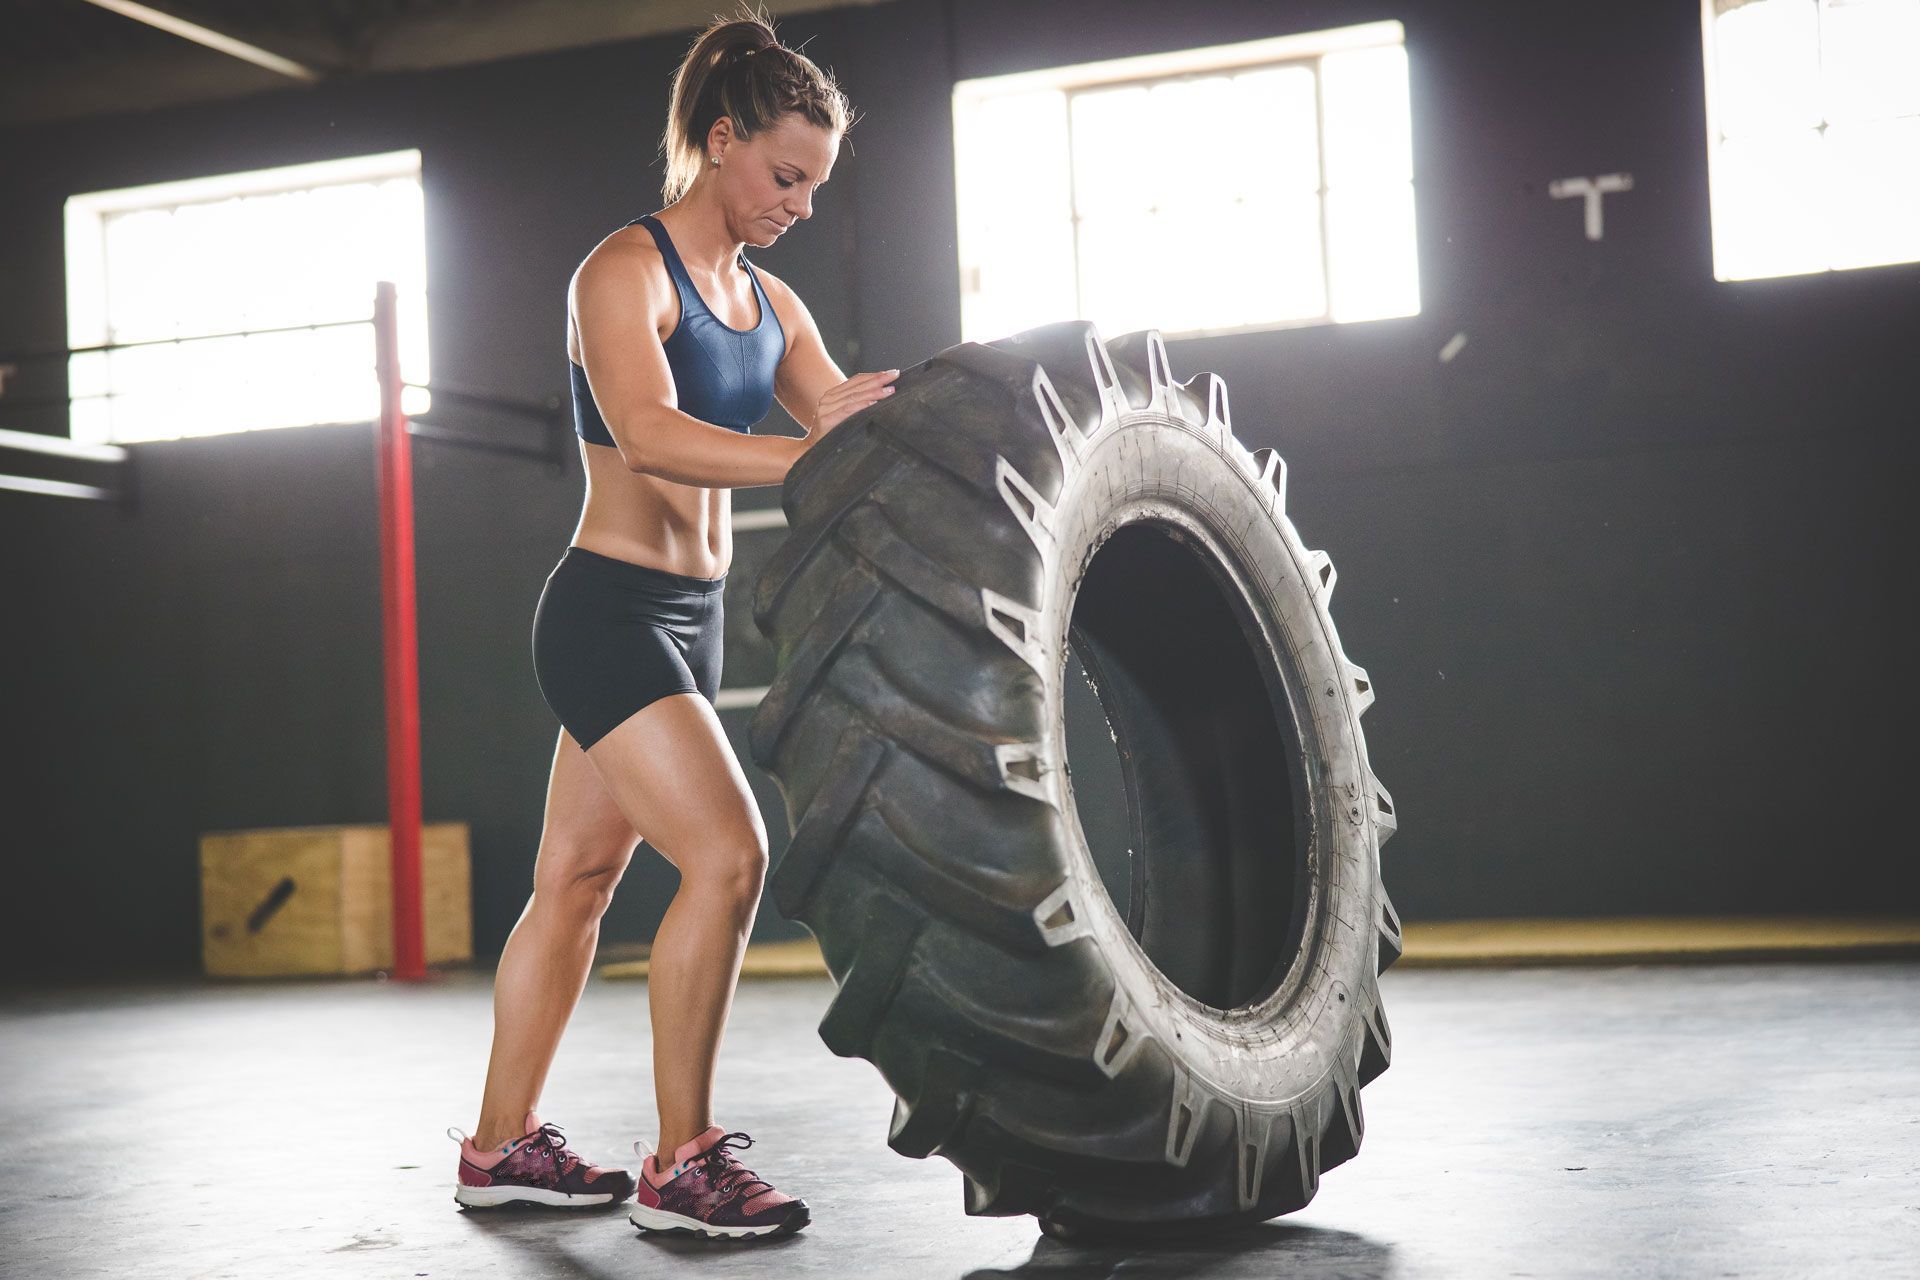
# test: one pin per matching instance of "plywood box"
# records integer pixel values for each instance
(319, 900)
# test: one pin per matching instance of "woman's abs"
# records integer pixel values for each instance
(643, 519)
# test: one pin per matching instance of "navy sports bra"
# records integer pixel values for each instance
(721, 374)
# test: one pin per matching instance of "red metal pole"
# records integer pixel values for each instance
(401, 644)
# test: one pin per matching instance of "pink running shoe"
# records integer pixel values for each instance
(536, 1168)
(710, 1193)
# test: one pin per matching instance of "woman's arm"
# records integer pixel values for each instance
(617, 305)
(806, 371)
(807, 375)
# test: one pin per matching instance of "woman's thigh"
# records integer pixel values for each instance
(673, 774)
(610, 637)
(585, 833)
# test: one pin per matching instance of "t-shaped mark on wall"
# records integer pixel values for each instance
(1592, 189)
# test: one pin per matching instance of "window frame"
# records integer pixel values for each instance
(1305, 50)
(85, 218)
(1716, 137)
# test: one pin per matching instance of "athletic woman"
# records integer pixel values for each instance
(677, 348)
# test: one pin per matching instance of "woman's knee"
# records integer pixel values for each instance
(736, 871)
(580, 891)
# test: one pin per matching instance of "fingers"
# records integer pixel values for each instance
(861, 389)
(855, 394)
(867, 385)
(863, 382)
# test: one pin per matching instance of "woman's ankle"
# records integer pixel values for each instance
(495, 1137)
(670, 1154)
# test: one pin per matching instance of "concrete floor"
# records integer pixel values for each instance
(1757, 1120)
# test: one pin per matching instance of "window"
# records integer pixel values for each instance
(185, 284)
(1217, 190)
(1813, 134)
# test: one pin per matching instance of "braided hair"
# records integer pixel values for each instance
(738, 68)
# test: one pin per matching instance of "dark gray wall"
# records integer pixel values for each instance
(1630, 573)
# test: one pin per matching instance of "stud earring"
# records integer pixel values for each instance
(715, 159)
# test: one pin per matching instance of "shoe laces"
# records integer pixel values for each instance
(549, 1138)
(724, 1170)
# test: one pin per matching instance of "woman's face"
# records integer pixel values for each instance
(766, 184)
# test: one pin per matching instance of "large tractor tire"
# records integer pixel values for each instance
(1198, 1060)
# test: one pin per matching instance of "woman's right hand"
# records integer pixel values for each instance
(856, 393)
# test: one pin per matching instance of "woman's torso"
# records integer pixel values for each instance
(643, 518)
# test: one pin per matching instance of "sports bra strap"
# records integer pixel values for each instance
(675, 266)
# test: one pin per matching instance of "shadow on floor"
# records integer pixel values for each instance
(1265, 1249)
(528, 1231)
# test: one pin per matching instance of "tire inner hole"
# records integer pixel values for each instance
(1188, 786)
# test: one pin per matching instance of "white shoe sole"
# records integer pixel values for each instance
(660, 1220)
(492, 1197)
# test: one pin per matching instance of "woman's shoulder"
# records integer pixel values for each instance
(624, 271)
(625, 258)
(623, 250)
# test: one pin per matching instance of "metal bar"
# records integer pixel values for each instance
(735, 699)
(759, 518)
(219, 41)
(46, 402)
(441, 435)
(490, 399)
(60, 446)
(401, 643)
(50, 353)
(58, 488)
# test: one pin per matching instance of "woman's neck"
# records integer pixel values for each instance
(699, 235)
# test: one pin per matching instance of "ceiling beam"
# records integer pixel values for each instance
(416, 41)
(218, 41)
(452, 37)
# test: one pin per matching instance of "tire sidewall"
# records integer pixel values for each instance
(1200, 485)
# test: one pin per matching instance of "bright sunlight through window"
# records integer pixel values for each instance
(243, 301)
(1219, 190)
(1813, 134)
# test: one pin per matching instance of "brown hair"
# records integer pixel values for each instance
(738, 68)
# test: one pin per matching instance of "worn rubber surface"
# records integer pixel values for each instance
(1199, 1060)
(658, 1222)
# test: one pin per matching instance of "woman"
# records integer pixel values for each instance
(677, 348)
